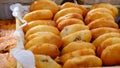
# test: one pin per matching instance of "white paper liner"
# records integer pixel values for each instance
(24, 57)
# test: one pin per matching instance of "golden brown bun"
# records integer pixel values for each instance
(38, 22)
(70, 4)
(111, 55)
(7, 61)
(77, 53)
(66, 11)
(96, 15)
(99, 31)
(68, 16)
(68, 22)
(78, 45)
(83, 61)
(106, 43)
(47, 38)
(44, 4)
(103, 10)
(108, 6)
(42, 61)
(103, 37)
(45, 49)
(102, 22)
(83, 35)
(38, 15)
(42, 28)
(73, 28)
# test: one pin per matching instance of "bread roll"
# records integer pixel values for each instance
(48, 38)
(111, 55)
(78, 45)
(103, 22)
(68, 16)
(44, 4)
(96, 15)
(38, 15)
(83, 35)
(66, 11)
(38, 22)
(77, 53)
(45, 49)
(68, 22)
(103, 37)
(99, 31)
(73, 28)
(108, 6)
(42, 28)
(70, 4)
(83, 61)
(106, 43)
(42, 61)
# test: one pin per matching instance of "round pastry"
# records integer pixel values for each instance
(103, 10)
(32, 36)
(66, 11)
(43, 61)
(78, 45)
(44, 4)
(106, 43)
(72, 28)
(103, 37)
(68, 16)
(96, 15)
(99, 31)
(38, 22)
(83, 61)
(67, 22)
(38, 15)
(102, 22)
(108, 6)
(70, 4)
(42, 28)
(48, 38)
(111, 55)
(77, 53)
(83, 35)
(45, 49)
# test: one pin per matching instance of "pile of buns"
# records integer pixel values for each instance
(70, 36)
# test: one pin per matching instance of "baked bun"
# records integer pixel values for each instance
(45, 49)
(73, 28)
(83, 61)
(68, 16)
(42, 28)
(42, 61)
(83, 35)
(47, 38)
(103, 37)
(38, 15)
(108, 6)
(103, 10)
(96, 15)
(102, 22)
(7, 61)
(111, 55)
(70, 4)
(106, 43)
(67, 22)
(77, 53)
(38, 22)
(66, 11)
(99, 31)
(44, 4)
(78, 45)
